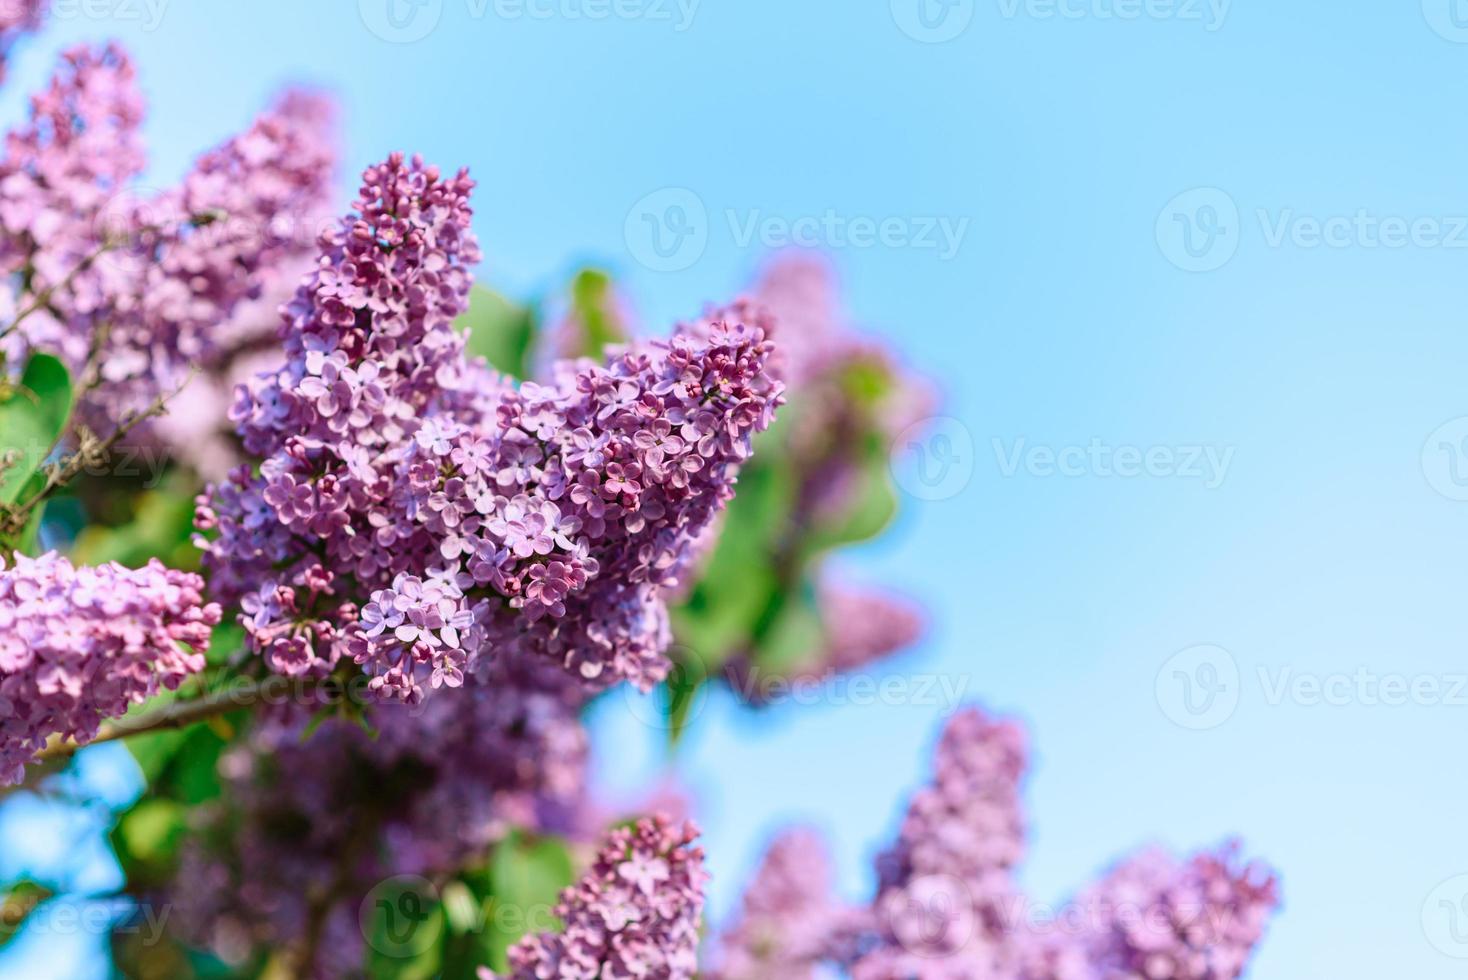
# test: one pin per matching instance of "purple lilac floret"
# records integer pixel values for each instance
(787, 912)
(81, 645)
(636, 913)
(416, 513)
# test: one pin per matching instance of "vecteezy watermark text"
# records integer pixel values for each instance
(1210, 13)
(147, 14)
(1202, 686)
(1202, 229)
(406, 21)
(670, 229)
(1098, 459)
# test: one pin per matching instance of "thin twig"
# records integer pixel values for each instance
(174, 715)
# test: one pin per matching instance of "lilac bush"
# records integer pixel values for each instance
(443, 540)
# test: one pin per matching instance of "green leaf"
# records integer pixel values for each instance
(499, 331)
(595, 314)
(161, 527)
(793, 636)
(33, 417)
(873, 505)
(527, 876)
(739, 580)
(20, 900)
(146, 841)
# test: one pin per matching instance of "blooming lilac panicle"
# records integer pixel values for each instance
(140, 289)
(787, 912)
(59, 175)
(204, 251)
(635, 914)
(947, 907)
(1198, 919)
(449, 513)
(946, 889)
(80, 645)
(371, 355)
(968, 822)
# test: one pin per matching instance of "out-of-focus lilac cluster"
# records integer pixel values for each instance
(325, 818)
(948, 908)
(18, 18)
(413, 510)
(1197, 919)
(135, 290)
(787, 914)
(635, 914)
(61, 172)
(79, 645)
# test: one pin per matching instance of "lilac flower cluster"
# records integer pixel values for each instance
(80, 645)
(948, 908)
(635, 914)
(412, 510)
(242, 223)
(787, 913)
(1204, 916)
(133, 291)
(946, 885)
(60, 174)
(339, 811)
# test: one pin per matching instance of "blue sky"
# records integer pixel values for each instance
(1217, 246)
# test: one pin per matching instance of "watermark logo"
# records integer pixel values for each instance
(1445, 459)
(1445, 918)
(1448, 18)
(933, 916)
(933, 459)
(678, 700)
(1198, 688)
(668, 230)
(400, 917)
(1198, 230)
(401, 21)
(933, 21)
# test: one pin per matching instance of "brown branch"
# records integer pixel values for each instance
(174, 715)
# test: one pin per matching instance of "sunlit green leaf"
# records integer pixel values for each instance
(33, 416)
(499, 331)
